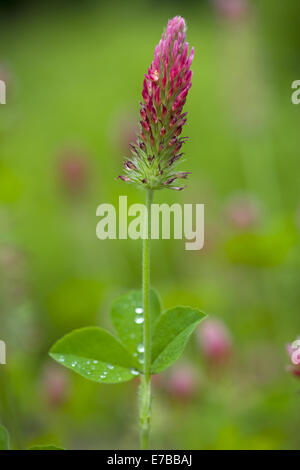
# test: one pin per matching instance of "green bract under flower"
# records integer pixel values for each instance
(158, 149)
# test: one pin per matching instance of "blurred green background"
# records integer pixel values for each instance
(74, 74)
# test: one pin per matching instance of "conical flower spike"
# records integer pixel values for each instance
(156, 156)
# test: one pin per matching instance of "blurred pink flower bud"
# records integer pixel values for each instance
(182, 382)
(55, 385)
(243, 212)
(232, 9)
(215, 341)
(73, 171)
(293, 350)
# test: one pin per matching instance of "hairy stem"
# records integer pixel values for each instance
(145, 390)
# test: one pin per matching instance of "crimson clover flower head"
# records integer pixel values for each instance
(158, 149)
(294, 353)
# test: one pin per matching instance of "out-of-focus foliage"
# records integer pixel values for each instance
(4, 438)
(74, 76)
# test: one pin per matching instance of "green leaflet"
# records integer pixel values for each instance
(127, 317)
(96, 355)
(171, 333)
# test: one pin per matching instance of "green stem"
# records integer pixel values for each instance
(145, 404)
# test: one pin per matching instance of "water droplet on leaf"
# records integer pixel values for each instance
(139, 310)
(139, 320)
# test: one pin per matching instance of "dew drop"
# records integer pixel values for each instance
(61, 359)
(110, 366)
(134, 372)
(141, 348)
(95, 362)
(139, 310)
(139, 320)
